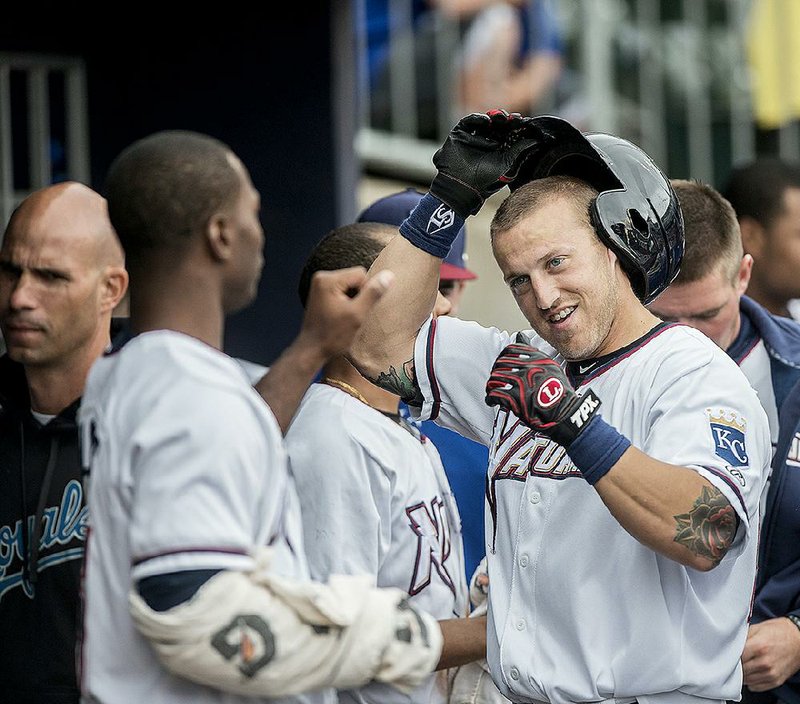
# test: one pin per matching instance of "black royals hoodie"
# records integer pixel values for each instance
(42, 537)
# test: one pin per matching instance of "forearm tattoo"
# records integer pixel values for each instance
(709, 528)
(402, 383)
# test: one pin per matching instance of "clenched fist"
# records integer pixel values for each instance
(534, 387)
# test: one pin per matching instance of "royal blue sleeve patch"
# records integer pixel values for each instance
(728, 432)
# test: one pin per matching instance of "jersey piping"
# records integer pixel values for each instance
(609, 361)
(435, 392)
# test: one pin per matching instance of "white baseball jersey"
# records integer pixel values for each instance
(793, 306)
(579, 610)
(187, 472)
(376, 500)
(757, 368)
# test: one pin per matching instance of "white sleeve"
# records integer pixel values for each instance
(346, 503)
(257, 634)
(254, 371)
(194, 475)
(709, 418)
(452, 362)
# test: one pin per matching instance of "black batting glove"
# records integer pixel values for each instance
(482, 153)
(534, 387)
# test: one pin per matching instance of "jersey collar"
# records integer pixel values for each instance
(579, 372)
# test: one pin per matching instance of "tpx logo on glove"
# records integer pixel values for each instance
(585, 411)
(441, 219)
(550, 392)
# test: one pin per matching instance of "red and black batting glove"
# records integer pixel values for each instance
(482, 153)
(534, 387)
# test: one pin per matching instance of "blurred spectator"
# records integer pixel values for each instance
(464, 460)
(771, 658)
(766, 197)
(511, 57)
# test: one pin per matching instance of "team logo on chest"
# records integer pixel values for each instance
(62, 540)
(728, 431)
(518, 452)
(429, 523)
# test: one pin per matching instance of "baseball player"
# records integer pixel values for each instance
(626, 455)
(196, 584)
(464, 460)
(376, 500)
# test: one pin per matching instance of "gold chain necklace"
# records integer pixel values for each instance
(347, 388)
(355, 393)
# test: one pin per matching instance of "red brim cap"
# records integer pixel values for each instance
(451, 272)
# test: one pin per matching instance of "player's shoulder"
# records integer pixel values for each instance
(338, 416)
(456, 328)
(680, 354)
(674, 345)
(163, 373)
(669, 334)
(356, 439)
(175, 358)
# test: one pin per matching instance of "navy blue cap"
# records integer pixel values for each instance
(394, 208)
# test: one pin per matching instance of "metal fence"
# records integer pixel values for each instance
(43, 125)
(701, 85)
(688, 80)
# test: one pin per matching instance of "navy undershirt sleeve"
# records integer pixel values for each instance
(162, 592)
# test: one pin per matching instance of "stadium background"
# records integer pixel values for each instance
(700, 84)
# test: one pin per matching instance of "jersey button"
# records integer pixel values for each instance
(523, 561)
(514, 672)
(521, 624)
(534, 497)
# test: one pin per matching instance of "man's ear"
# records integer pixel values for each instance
(114, 287)
(218, 237)
(743, 275)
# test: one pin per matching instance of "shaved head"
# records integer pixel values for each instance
(61, 275)
(72, 213)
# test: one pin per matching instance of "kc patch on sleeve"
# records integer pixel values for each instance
(728, 431)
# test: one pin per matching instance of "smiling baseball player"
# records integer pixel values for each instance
(627, 456)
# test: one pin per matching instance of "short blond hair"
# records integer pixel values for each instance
(713, 238)
(534, 194)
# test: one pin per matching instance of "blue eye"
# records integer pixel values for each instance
(556, 262)
(518, 282)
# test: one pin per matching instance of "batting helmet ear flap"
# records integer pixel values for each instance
(637, 233)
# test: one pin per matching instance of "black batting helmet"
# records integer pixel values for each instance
(636, 214)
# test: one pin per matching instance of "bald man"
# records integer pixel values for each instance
(61, 276)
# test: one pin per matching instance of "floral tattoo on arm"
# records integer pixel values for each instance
(402, 383)
(709, 528)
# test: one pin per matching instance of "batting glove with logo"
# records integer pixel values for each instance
(482, 153)
(534, 387)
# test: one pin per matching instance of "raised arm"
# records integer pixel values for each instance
(337, 305)
(482, 153)
(671, 509)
